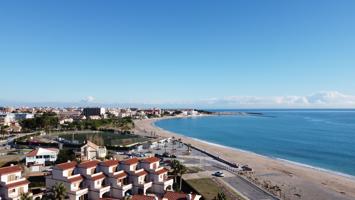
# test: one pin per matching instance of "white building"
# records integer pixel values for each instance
(111, 178)
(91, 151)
(12, 184)
(41, 156)
(64, 173)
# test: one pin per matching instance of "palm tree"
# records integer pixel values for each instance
(178, 169)
(25, 196)
(175, 167)
(182, 170)
(57, 192)
(220, 196)
(129, 197)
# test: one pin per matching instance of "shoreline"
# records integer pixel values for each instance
(296, 180)
(352, 177)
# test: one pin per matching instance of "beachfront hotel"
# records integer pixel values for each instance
(114, 179)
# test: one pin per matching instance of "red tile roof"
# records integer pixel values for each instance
(16, 184)
(32, 153)
(109, 163)
(176, 195)
(142, 197)
(75, 179)
(35, 151)
(89, 164)
(141, 173)
(120, 175)
(66, 165)
(150, 160)
(161, 171)
(97, 177)
(10, 169)
(130, 161)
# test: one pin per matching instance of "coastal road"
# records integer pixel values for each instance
(247, 189)
(209, 165)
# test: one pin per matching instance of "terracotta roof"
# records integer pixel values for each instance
(150, 160)
(32, 153)
(142, 197)
(109, 163)
(89, 143)
(130, 161)
(89, 164)
(120, 175)
(35, 151)
(161, 171)
(176, 195)
(16, 184)
(66, 165)
(141, 173)
(97, 177)
(75, 179)
(10, 169)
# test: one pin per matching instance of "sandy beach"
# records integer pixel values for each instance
(295, 181)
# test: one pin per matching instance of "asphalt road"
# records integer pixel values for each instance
(248, 189)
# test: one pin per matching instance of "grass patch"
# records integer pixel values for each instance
(191, 170)
(204, 186)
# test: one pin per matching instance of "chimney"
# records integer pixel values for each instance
(68, 161)
(189, 196)
(11, 165)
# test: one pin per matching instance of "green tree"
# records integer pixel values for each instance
(220, 196)
(178, 169)
(175, 167)
(64, 155)
(25, 196)
(57, 192)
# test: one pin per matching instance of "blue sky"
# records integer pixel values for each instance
(177, 52)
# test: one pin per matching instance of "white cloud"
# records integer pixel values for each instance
(88, 99)
(320, 99)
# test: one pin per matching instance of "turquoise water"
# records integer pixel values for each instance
(319, 138)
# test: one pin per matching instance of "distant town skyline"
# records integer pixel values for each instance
(239, 54)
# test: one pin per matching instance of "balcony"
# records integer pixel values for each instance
(145, 185)
(126, 187)
(103, 190)
(80, 191)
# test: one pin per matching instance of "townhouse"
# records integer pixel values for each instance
(111, 178)
(64, 173)
(116, 178)
(12, 184)
(157, 175)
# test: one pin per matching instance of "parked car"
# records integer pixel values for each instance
(219, 174)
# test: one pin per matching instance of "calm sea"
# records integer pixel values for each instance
(319, 138)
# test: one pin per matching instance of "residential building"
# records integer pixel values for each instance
(115, 179)
(93, 179)
(64, 173)
(91, 151)
(41, 156)
(12, 184)
(94, 112)
(157, 175)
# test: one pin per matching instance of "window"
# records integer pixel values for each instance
(70, 172)
(11, 177)
(21, 190)
(13, 190)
